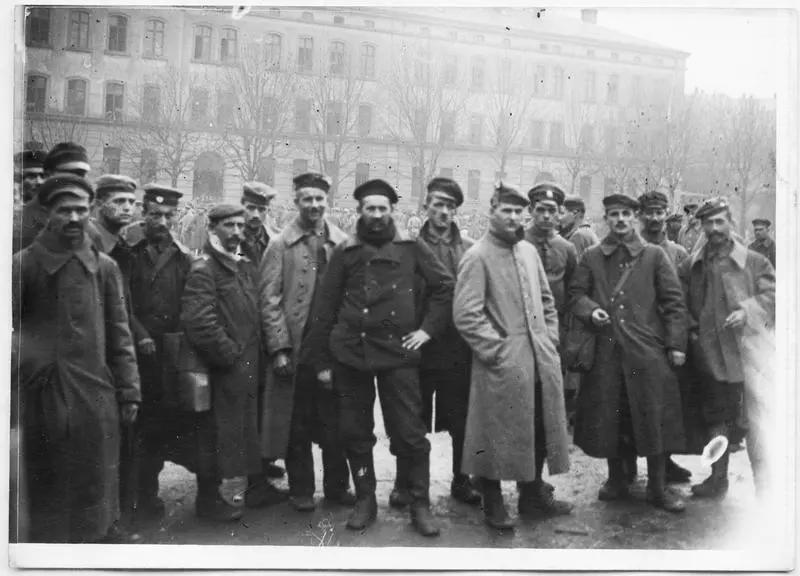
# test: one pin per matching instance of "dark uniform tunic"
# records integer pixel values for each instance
(583, 237)
(156, 280)
(766, 248)
(364, 308)
(559, 258)
(446, 360)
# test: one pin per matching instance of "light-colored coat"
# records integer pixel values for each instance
(287, 280)
(513, 333)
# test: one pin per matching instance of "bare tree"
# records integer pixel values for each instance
(509, 102)
(425, 102)
(49, 129)
(263, 93)
(580, 157)
(335, 93)
(165, 126)
(618, 158)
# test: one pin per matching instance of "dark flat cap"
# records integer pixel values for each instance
(312, 180)
(376, 187)
(675, 218)
(29, 159)
(258, 193)
(64, 183)
(620, 200)
(653, 198)
(447, 186)
(546, 191)
(503, 193)
(109, 183)
(762, 222)
(66, 156)
(687, 208)
(712, 207)
(574, 203)
(163, 195)
(222, 211)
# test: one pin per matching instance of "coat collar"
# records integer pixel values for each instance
(738, 252)
(609, 244)
(214, 250)
(430, 238)
(107, 240)
(400, 237)
(294, 233)
(53, 256)
(133, 234)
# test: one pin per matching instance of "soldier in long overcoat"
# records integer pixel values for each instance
(296, 410)
(629, 400)
(220, 315)
(75, 372)
(504, 309)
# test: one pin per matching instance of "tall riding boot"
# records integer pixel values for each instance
(365, 509)
(210, 504)
(657, 493)
(494, 509)
(400, 497)
(616, 487)
(419, 479)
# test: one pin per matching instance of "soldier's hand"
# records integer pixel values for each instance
(735, 319)
(677, 358)
(147, 346)
(600, 317)
(414, 340)
(282, 364)
(128, 412)
(325, 378)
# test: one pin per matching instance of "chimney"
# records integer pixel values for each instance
(589, 15)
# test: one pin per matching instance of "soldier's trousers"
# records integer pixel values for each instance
(314, 419)
(401, 405)
(452, 401)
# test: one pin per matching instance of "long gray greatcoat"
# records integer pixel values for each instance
(287, 280)
(75, 365)
(513, 334)
(648, 318)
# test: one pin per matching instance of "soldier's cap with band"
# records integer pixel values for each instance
(448, 187)
(615, 200)
(376, 187)
(762, 222)
(29, 159)
(223, 211)
(654, 198)
(675, 218)
(546, 191)
(64, 183)
(503, 193)
(161, 195)
(109, 183)
(687, 208)
(574, 203)
(312, 180)
(712, 207)
(258, 193)
(66, 156)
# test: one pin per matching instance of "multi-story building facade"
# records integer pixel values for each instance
(96, 74)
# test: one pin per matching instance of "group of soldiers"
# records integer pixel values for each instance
(293, 331)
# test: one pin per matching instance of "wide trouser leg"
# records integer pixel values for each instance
(335, 472)
(401, 404)
(299, 458)
(355, 395)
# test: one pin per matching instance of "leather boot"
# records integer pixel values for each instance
(616, 487)
(364, 512)
(716, 485)
(261, 492)
(422, 519)
(209, 503)
(400, 497)
(461, 488)
(494, 509)
(365, 509)
(676, 474)
(536, 499)
(657, 493)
